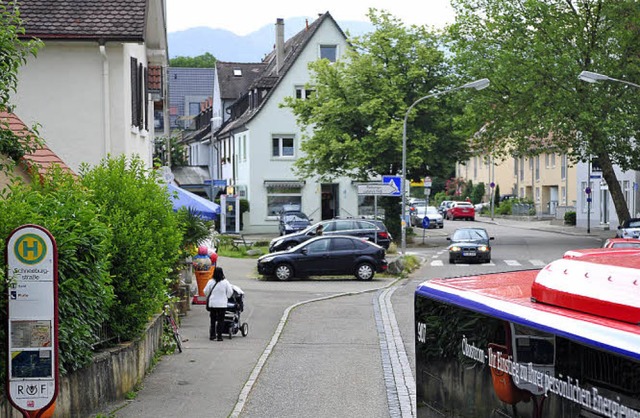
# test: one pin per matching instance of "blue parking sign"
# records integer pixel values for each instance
(425, 222)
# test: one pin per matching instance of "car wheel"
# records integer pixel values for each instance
(441, 226)
(365, 271)
(244, 329)
(472, 219)
(283, 272)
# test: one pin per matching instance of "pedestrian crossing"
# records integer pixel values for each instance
(493, 263)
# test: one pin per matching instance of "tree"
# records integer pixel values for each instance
(353, 124)
(13, 54)
(533, 51)
(205, 60)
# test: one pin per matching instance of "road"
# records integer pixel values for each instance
(323, 347)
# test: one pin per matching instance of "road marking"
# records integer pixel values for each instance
(538, 262)
(437, 263)
(512, 262)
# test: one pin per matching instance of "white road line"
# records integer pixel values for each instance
(538, 262)
(437, 263)
(512, 262)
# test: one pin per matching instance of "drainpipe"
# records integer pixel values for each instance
(106, 124)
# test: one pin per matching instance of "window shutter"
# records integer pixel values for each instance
(134, 91)
(146, 99)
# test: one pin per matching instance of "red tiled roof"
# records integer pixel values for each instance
(40, 159)
(84, 19)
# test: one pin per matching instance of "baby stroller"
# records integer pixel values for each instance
(235, 305)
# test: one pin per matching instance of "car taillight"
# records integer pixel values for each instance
(383, 234)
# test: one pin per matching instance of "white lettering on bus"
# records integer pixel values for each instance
(565, 387)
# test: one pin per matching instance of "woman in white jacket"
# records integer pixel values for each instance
(218, 291)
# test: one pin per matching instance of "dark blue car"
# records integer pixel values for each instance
(292, 221)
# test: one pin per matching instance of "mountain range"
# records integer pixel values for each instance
(227, 46)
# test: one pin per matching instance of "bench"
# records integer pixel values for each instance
(234, 241)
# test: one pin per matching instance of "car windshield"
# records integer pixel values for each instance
(295, 217)
(634, 223)
(469, 235)
(432, 209)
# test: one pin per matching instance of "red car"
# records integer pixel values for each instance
(622, 243)
(461, 210)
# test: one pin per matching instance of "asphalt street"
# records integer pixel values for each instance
(305, 340)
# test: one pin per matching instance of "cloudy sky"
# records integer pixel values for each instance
(243, 17)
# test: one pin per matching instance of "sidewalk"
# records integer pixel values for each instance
(549, 226)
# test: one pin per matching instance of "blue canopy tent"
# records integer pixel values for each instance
(203, 207)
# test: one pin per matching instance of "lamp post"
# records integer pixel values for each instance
(591, 77)
(478, 85)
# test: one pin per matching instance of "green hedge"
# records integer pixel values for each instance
(146, 239)
(83, 238)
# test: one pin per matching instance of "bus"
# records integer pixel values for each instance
(561, 341)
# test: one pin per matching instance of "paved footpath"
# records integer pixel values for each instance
(339, 352)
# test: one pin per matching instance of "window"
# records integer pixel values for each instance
(329, 52)
(244, 148)
(537, 167)
(563, 166)
(283, 196)
(282, 147)
(342, 244)
(194, 108)
(139, 104)
(546, 161)
(515, 167)
(553, 160)
(302, 93)
(237, 72)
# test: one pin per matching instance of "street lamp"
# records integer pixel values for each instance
(591, 77)
(478, 85)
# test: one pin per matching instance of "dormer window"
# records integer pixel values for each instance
(237, 72)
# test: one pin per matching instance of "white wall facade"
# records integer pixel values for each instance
(272, 121)
(82, 106)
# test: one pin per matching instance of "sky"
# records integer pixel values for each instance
(244, 17)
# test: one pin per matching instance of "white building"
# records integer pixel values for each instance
(95, 85)
(259, 141)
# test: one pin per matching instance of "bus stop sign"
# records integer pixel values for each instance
(32, 316)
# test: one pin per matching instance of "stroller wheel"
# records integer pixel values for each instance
(244, 330)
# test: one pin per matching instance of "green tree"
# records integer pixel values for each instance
(205, 60)
(496, 196)
(13, 53)
(477, 195)
(533, 51)
(354, 123)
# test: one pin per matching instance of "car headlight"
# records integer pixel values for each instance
(266, 260)
(483, 248)
(455, 249)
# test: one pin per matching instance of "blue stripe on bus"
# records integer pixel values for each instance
(463, 302)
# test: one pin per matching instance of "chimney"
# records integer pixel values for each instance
(279, 44)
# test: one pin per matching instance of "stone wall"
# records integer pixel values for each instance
(114, 372)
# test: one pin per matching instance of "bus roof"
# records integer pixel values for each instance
(508, 296)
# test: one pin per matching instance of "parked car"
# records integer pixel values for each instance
(470, 244)
(292, 221)
(629, 229)
(326, 255)
(444, 205)
(622, 243)
(431, 212)
(461, 210)
(354, 227)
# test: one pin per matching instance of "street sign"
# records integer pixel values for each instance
(389, 189)
(396, 181)
(427, 182)
(32, 316)
(425, 222)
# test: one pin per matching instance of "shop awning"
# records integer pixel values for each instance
(283, 184)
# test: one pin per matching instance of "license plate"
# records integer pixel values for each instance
(469, 254)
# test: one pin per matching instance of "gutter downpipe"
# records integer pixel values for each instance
(106, 124)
